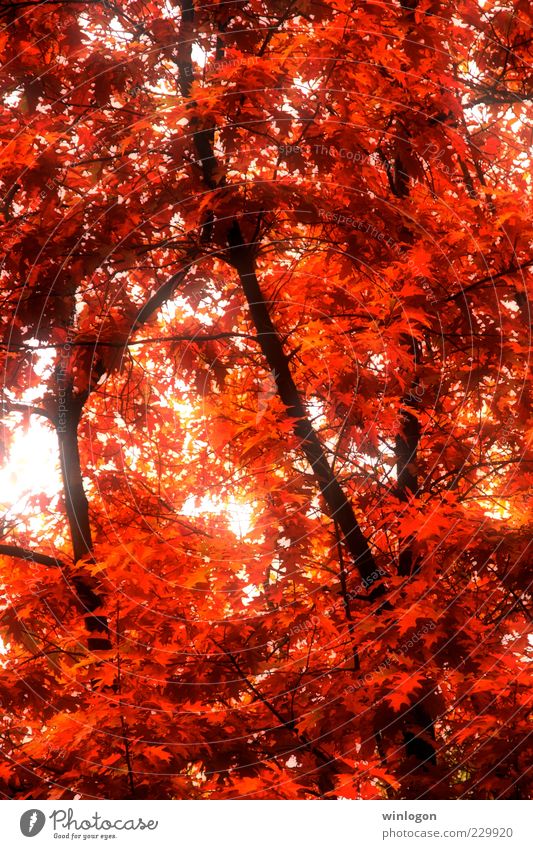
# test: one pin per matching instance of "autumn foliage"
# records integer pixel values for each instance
(265, 283)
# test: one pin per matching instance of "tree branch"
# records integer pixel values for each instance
(323, 757)
(7, 406)
(32, 556)
(341, 510)
(486, 280)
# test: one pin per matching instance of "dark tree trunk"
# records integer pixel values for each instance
(337, 502)
(70, 408)
(419, 733)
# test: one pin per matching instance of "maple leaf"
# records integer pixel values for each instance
(398, 699)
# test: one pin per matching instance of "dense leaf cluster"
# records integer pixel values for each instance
(265, 285)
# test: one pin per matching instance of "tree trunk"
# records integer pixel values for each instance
(419, 732)
(336, 500)
(77, 509)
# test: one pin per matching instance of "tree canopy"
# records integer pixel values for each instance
(264, 298)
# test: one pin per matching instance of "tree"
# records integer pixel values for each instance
(266, 282)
